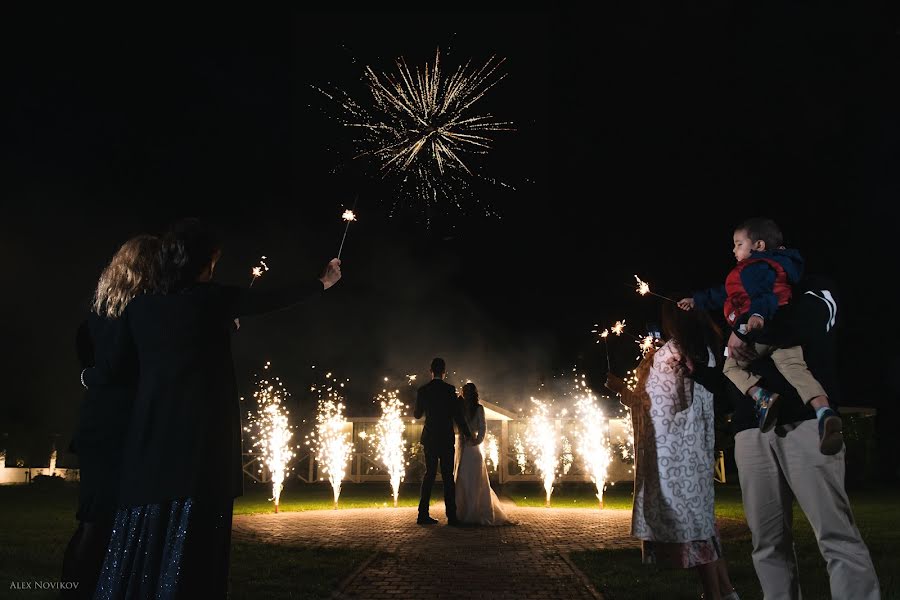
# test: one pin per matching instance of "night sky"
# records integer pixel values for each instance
(641, 139)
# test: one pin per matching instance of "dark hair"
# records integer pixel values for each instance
(188, 247)
(694, 332)
(438, 366)
(470, 397)
(766, 230)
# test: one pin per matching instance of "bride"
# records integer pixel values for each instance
(476, 502)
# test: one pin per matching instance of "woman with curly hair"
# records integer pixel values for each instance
(98, 438)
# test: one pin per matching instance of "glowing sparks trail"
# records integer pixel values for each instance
(421, 126)
(411, 379)
(389, 442)
(257, 271)
(332, 440)
(643, 288)
(521, 459)
(603, 335)
(625, 438)
(491, 450)
(618, 328)
(567, 457)
(541, 435)
(271, 432)
(592, 435)
(646, 344)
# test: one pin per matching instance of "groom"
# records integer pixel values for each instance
(437, 400)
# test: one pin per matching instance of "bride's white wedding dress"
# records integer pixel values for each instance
(476, 502)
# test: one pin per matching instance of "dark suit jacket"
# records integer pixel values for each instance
(437, 400)
(184, 437)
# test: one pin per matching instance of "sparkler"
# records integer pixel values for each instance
(541, 436)
(273, 432)
(257, 271)
(646, 344)
(420, 127)
(592, 437)
(389, 438)
(332, 442)
(603, 335)
(643, 288)
(347, 216)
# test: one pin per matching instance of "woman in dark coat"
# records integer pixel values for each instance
(182, 462)
(98, 438)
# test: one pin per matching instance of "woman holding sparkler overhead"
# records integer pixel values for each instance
(182, 458)
(674, 440)
(104, 413)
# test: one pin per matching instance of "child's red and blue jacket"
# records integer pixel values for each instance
(757, 285)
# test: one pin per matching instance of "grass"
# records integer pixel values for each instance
(36, 522)
(318, 496)
(619, 574)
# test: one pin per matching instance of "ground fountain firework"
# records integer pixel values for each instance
(331, 438)
(543, 442)
(270, 432)
(389, 443)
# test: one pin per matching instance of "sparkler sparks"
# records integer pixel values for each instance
(421, 127)
(643, 288)
(646, 344)
(273, 432)
(348, 216)
(618, 328)
(257, 271)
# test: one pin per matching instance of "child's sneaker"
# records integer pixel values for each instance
(766, 408)
(831, 440)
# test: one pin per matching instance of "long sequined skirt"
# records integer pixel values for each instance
(179, 549)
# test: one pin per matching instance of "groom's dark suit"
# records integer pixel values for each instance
(437, 400)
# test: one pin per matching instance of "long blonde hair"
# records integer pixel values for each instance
(133, 270)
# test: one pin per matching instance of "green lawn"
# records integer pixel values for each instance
(319, 496)
(37, 521)
(619, 574)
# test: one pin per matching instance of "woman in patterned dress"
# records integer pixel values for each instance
(674, 437)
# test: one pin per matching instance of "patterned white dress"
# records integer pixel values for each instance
(674, 439)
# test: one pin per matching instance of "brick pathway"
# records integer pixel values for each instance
(523, 562)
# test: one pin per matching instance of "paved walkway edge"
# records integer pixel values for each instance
(584, 578)
(339, 592)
